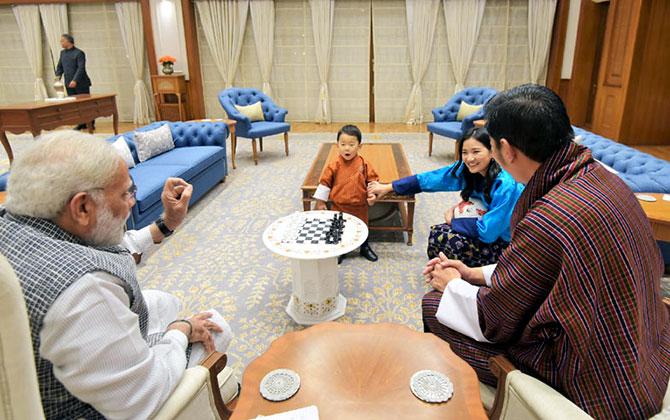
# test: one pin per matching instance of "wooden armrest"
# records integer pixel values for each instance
(215, 363)
(500, 366)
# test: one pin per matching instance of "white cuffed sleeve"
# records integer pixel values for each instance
(138, 241)
(458, 309)
(488, 270)
(322, 193)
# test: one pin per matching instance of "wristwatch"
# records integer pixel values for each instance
(160, 224)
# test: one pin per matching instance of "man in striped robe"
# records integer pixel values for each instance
(575, 299)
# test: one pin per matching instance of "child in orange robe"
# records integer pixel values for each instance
(345, 181)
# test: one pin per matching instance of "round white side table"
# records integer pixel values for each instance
(316, 297)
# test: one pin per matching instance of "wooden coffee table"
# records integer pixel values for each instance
(658, 213)
(361, 372)
(390, 162)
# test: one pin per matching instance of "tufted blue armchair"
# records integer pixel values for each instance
(445, 116)
(273, 124)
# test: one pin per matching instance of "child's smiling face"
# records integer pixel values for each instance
(348, 146)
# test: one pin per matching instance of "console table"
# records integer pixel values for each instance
(48, 115)
(170, 97)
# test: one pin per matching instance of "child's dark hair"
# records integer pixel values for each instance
(351, 130)
(476, 181)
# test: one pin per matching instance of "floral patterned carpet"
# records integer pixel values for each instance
(217, 258)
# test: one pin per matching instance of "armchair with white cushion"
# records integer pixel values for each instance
(198, 395)
(268, 121)
(521, 396)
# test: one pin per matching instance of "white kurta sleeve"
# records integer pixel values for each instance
(488, 270)
(93, 341)
(138, 241)
(458, 309)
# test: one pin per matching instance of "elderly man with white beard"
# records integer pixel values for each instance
(102, 347)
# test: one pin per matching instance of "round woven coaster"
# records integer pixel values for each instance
(280, 385)
(431, 386)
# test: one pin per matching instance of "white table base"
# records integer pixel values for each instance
(316, 296)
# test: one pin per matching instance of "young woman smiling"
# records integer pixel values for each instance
(477, 229)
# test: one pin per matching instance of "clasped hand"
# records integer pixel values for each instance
(441, 270)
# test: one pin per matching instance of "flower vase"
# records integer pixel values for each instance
(168, 68)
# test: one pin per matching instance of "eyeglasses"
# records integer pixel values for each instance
(130, 193)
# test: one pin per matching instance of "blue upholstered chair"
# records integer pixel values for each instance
(445, 123)
(273, 124)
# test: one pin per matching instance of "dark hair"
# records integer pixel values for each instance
(476, 182)
(351, 130)
(531, 118)
(69, 38)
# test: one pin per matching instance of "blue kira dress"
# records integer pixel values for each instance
(480, 230)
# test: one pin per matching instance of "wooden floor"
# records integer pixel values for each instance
(662, 152)
(304, 127)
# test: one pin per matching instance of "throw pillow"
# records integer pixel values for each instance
(254, 111)
(467, 109)
(154, 142)
(123, 150)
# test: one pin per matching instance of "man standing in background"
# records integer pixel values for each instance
(72, 63)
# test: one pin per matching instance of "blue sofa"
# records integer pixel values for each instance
(445, 123)
(199, 157)
(641, 171)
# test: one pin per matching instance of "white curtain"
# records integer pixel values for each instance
(54, 20)
(129, 15)
(540, 24)
(223, 22)
(323, 14)
(263, 22)
(421, 21)
(28, 19)
(463, 18)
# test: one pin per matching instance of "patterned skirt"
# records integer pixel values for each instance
(456, 246)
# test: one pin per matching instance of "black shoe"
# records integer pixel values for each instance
(80, 127)
(340, 259)
(368, 253)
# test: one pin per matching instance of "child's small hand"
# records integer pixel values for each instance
(320, 205)
(371, 199)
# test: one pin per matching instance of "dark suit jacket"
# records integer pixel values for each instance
(72, 63)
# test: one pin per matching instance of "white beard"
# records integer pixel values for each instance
(108, 230)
